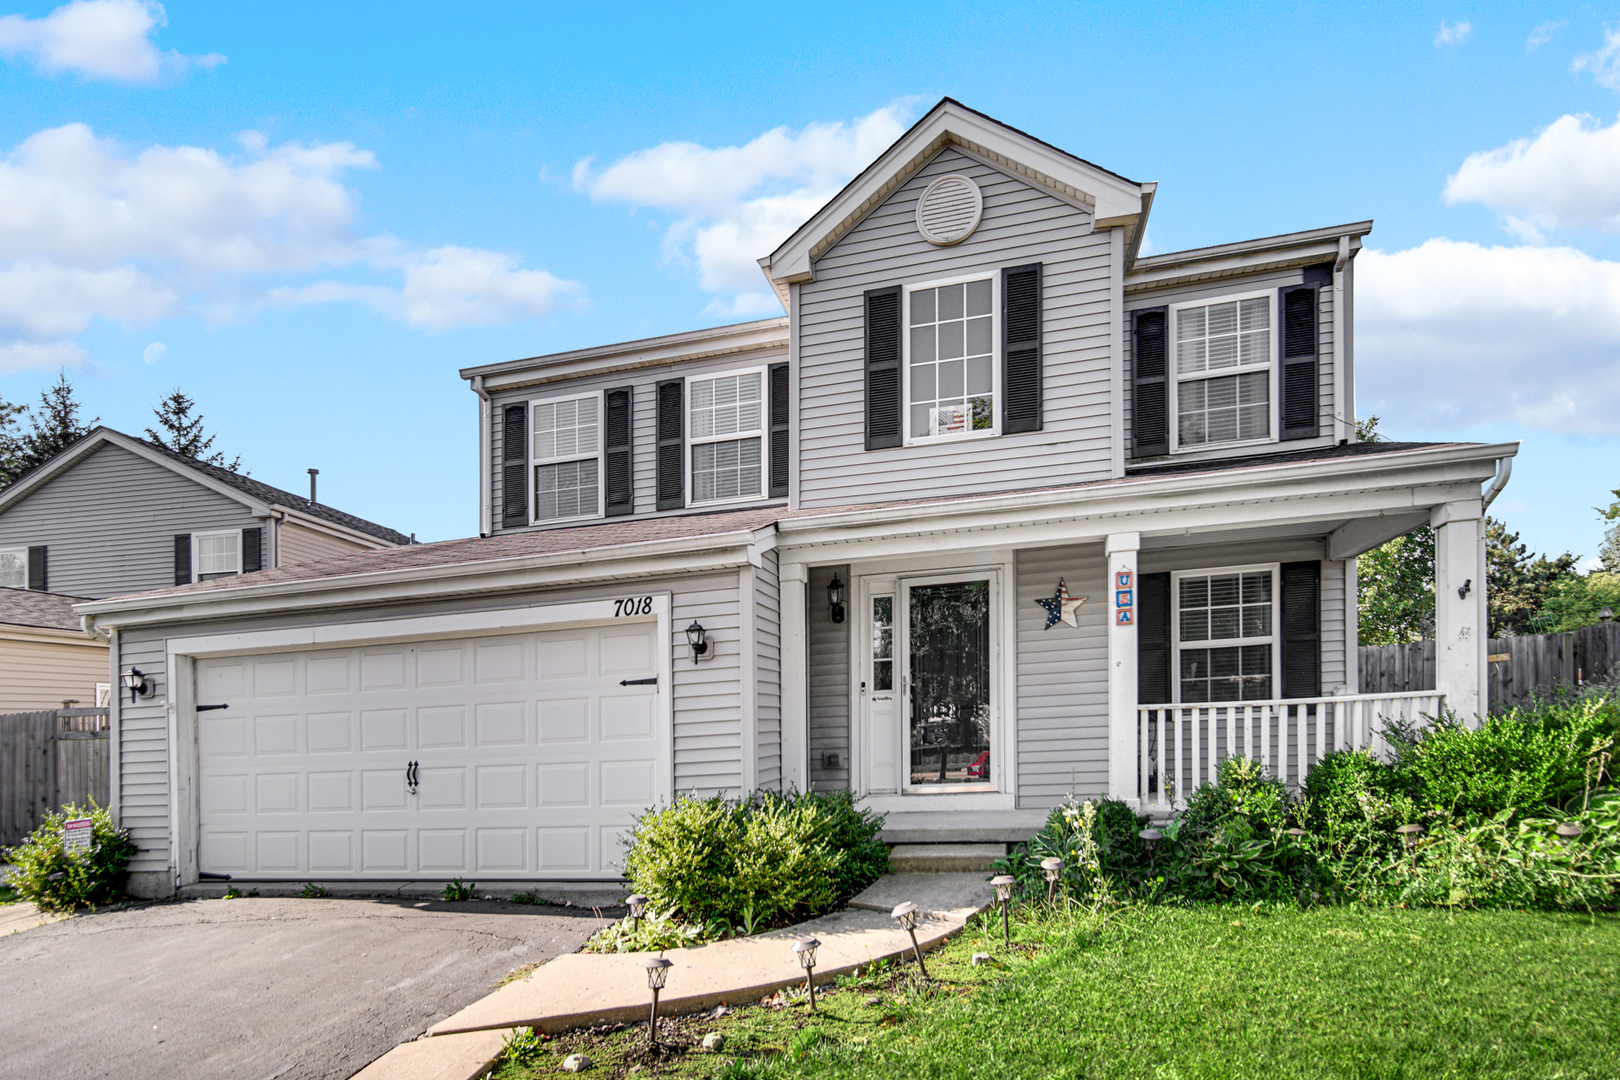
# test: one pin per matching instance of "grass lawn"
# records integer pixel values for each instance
(1177, 994)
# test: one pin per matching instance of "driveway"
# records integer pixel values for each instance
(256, 988)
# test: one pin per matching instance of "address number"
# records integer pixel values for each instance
(634, 605)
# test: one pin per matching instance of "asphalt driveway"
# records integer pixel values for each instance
(256, 988)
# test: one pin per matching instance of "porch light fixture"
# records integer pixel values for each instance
(638, 907)
(1052, 867)
(835, 599)
(1409, 836)
(1569, 830)
(1467, 586)
(806, 952)
(136, 682)
(657, 974)
(1004, 887)
(698, 638)
(906, 915)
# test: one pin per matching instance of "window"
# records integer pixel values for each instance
(1225, 643)
(1224, 365)
(727, 426)
(216, 554)
(14, 568)
(950, 359)
(882, 643)
(567, 458)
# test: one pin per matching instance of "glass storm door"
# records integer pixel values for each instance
(947, 685)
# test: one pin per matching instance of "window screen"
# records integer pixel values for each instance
(952, 362)
(565, 490)
(14, 568)
(727, 432)
(1225, 631)
(567, 473)
(1212, 406)
(218, 555)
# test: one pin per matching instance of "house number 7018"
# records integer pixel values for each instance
(634, 605)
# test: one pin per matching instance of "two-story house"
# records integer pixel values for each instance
(1001, 510)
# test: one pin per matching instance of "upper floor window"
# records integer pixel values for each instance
(216, 554)
(950, 359)
(726, 425)
(567, 458)
(1225, 371)
(1225, 641)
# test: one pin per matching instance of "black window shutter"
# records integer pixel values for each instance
(671, 444)
(621, 495)
(1021, 350)
(883, 368)
(252, 550)
(1299, 335)
(1150, 390)
(182, 559)
(1153, 654)
(38, 570)
(1301, 629)
(515, 465)
(779, 430)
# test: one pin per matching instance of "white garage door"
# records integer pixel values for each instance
(531, 757)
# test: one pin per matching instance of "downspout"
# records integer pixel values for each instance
(485, 526)
(1342, 426)
(1504, 469)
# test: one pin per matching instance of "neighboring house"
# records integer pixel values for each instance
(46, 657)
(821, 550)
(112, 515)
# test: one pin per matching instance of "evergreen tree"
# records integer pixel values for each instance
(52, 428)
(1610, 551)
(183, 432)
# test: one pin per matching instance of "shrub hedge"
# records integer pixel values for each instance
(59, 880)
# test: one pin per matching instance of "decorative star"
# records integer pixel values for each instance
(1062, 607)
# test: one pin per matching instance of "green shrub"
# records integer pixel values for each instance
(1354, 803)
(57, 880)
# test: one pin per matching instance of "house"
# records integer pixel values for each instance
(1001, 510)
(112, 514)
(46, 657)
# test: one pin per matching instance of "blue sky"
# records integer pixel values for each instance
(309, 216)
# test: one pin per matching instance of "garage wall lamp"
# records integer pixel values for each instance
(136, 682)
(835, 599)
(697, 637)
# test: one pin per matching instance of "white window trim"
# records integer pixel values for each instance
(23, 553)
(196, 556)
(1225, 643)
(762, 433)
(535, 460)
(906, 290)
(1177, 379)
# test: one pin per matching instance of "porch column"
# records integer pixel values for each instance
(1121, 549)
(794, 579)
(1460, 625)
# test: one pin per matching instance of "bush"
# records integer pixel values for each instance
(56, 880)
(1354, 803)
(758, 861)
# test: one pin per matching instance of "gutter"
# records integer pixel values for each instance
(485, 433)
(1343, 429)
(1504, 469)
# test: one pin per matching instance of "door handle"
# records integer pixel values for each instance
(410, 776)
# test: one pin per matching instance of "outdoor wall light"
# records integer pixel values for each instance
(657, 974)
(906, 915)
(698, 638)
(638, 907)
(835, 599)
(1052, 867)
(136, 682)
(1004, 887)
(1467, 587)
(1409, 836)
(806, 951)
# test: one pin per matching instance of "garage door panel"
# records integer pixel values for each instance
(442, 788)
(274, 735)
(385, 851)
(623, 654)
(501, 787)
(331, 792)
(567, 720)
(383, 670)
(224, 793)
(500, 723)
(274, 678)
(627, 783)
(331, 852)
(224, 852)
(220, 737)
(329, 733)
(441, 727)
(383, 789)
(442, 851)
(222, 680)
(440, 666)
(562, 658)
(565, 848)
(277, 852)
(331, 673)
(384, 729)
(502, 850)
(565, 784)
(500, 662)
(627, 718)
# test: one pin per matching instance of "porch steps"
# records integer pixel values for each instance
(944, 858)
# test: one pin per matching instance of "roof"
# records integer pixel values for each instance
(1285, 457)
(28, 607)
(643, 352)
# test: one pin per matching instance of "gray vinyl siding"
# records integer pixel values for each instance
(1021, 224)
(1062, 678)
(1277, 279)
(110, 521)
(643, 420)
(708, 694)
(827, 672)
(297, 544)
(1333, 630)
(768, 672)
(143, 755)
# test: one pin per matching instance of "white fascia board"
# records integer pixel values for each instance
(1223, 260)
(627, 356)
(49, 635)
(330, 528)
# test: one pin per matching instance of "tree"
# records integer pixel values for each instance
(1395, 590)
(1519, 582)
(183, 433)
(1609, 553)
(52, 428)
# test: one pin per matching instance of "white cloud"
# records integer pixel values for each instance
(1452, 33)
(1568, 176)
(1543, 34)
(735, 204)
(1452, 335)
(1604, 63)
(40, 300)
(104, 39)
(36, 355)
(154, 352)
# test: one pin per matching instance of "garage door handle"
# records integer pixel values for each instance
(211, 708)
(651, 680)
(410, 776)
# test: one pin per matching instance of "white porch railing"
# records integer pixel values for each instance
(1179, 746)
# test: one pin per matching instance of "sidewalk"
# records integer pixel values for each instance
(581, 989)
(15, 918)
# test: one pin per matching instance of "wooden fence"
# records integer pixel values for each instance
(1520, 667)
(50, 759)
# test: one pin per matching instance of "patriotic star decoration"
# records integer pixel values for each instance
(1062, 607)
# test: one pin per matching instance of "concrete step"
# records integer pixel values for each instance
(944, 858)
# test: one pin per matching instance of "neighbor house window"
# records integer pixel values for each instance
(567, 458)
(1224, 364)
(950, 359)
(216, 554)
(727, 436)
(14, 568)
(1225, 639)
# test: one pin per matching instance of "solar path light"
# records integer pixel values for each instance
(1569, 830)
(657, 974)
(638, 907)
(1052, 867)
(1004, 887)
(906, 915)
(1409, 836)
(806, 951)
(1150, 839)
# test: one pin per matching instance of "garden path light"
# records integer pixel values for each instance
(1409, 836)
(1052, 867)
(1004, 887)
(1150, 839)
(657, 974)
(806, 951)
(638, 907)
(906, 915)
(1569, 830)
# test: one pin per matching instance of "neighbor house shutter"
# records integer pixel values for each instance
(252, 550)
(1153, 652)
(1299, 387)
(515, 465)
(883, 368)
(182, 559)
(779, 431)
(621, 495)
(1021, 349)
(1301, 630)
(671, 444)
(1150, 390)
(38, 570)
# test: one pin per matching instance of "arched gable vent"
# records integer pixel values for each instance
(949, 210)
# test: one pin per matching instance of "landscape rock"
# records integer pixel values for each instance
(576, 1063)
(714, 1040)
(980, 958)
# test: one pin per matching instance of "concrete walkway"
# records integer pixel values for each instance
(581, 989)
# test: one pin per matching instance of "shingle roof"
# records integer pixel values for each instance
(27, 607)
(1287, 457)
